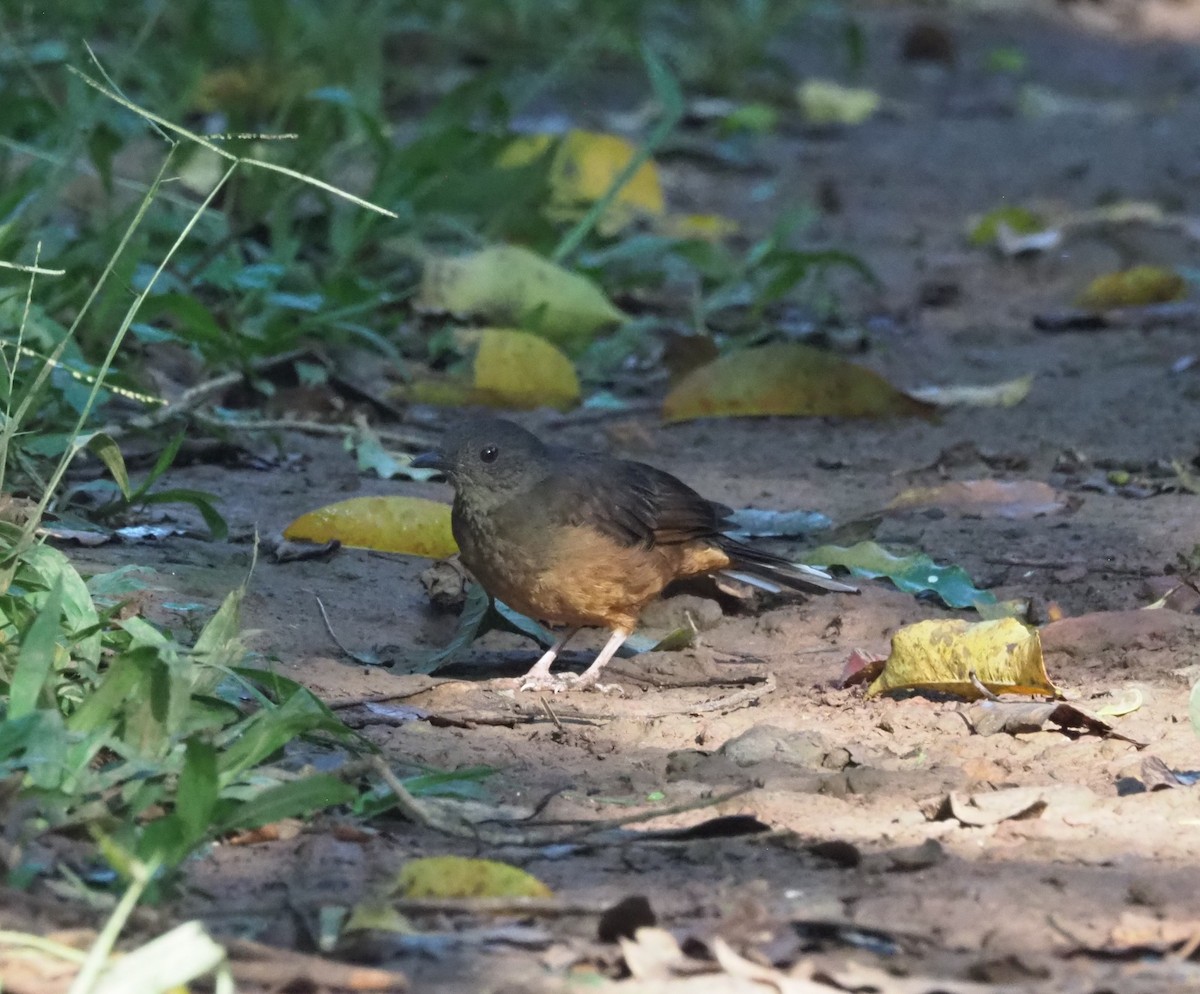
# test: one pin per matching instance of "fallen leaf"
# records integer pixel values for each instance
(1006, 394)
(410, 525)
(860, 666)
(984, 231)
(1012, 245)
(823, 102)
(1022, 717)
(1134, 287)
(786, 378)
(583, 166)
(1010, 499)
(992, 807)
(914, 574)
(517, 369)
(1121, 704)
(461, 876)
(1004, 655)
(1156, 775)
(510, 369)
(652, 954)
(510, 285)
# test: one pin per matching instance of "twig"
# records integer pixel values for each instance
(310, 428)
(537, 835)
(363, 658)
(550, 712)
(979, 686)
(414, 810)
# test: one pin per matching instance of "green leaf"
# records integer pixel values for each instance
(270, 730)
(288, 800)
(196, 796)
(469, 623)
(108, 452)
(219, 646)
(161, 465)
(35, 659)
(914, 574)
(79, 612)
(105, 703)
(200, 500)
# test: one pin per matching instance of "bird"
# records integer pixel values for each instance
(580, 539)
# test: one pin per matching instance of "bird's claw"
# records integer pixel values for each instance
(541, 682)
(567, 681)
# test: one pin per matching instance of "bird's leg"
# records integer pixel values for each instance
(589, 677)
(539, 677)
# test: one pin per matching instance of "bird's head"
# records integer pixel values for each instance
(488, 460)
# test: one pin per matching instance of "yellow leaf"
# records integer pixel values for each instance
(411, 525)
(511, 370)
(377, 916)
(698, 227)
(786, 378)
(1004, 655)
(460, 876)
(508, 284)
(583, 167)
(1007, 394)
(515, 369)
(825, 102)
(1133, 287)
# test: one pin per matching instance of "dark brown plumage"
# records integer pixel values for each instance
(579, 539)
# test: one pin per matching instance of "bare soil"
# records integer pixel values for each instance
(1054, 901)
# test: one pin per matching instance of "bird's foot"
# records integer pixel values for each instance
(545, 682)
(585, 682)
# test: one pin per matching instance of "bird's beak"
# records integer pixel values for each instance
(430, 460)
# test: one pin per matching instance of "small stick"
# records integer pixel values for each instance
(984, 692)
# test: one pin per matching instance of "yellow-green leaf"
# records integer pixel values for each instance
(516, 369)
(513, 370)
(583, 167)
(825, 102)
(1004, 655)
(785, 378)
(411, 525)
(1133, 287)
(508, 284)
(460, 876)
(985, 230)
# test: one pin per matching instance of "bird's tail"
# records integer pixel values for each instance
(773, 573)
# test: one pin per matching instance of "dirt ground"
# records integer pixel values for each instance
(1096, 888)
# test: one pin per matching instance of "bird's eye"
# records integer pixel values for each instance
(489, 454)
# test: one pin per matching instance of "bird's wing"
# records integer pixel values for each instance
(630, 502)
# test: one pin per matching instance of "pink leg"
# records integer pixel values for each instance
(539, 677)
(589, 676)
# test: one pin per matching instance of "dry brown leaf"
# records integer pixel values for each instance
(1010, 499)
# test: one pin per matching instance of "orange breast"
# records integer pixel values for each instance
(580, 577)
